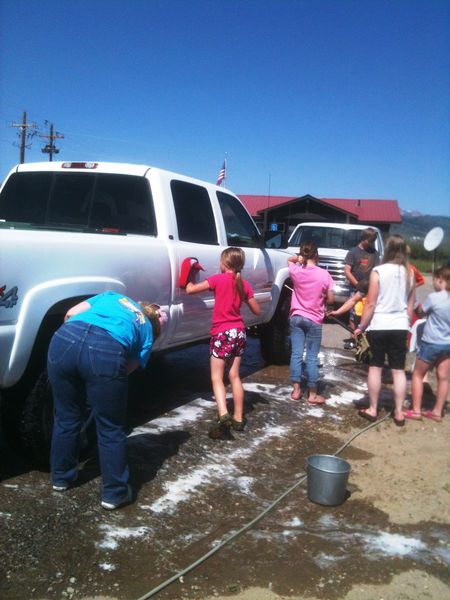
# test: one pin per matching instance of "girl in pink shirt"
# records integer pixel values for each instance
(313, 287)
(228, 337)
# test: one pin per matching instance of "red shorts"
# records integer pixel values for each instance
(228, 343)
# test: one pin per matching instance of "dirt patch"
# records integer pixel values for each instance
(406, 586)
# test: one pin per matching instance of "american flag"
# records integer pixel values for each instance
(222, 173)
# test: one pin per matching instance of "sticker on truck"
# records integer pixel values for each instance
(8, 299)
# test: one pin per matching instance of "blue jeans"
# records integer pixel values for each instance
(86, 363)
(305, 334)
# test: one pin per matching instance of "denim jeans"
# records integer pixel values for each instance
(86, 364)
(304, 334)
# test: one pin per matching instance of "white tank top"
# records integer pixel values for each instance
(391, 310)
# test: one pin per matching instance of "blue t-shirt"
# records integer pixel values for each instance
(124, 320)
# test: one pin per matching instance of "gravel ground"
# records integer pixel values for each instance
(389, 539)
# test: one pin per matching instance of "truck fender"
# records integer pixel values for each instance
(274, 335)
(41, 301)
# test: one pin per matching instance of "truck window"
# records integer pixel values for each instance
(125, 202)
(24, 198)
(85, 201)
(194, 214)
(65, 206)
(240, 229)
(327, 237)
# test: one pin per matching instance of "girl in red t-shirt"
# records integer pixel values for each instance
(228, 337)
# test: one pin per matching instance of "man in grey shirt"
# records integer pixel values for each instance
(361, 259)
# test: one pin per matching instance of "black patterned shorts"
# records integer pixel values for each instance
(228, 343)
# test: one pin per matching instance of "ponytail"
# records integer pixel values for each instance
(239, 285)
(234, 259)
(308, 251)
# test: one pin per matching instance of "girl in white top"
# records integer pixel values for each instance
(386, 316)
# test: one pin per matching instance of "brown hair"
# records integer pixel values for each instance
(152, 312)
(308, 251)
(368, 234)
(234, 259)
(443, 273)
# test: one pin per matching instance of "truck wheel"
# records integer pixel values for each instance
(275, 340)
(36, 423)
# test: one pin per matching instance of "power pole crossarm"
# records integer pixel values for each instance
(23, 127)
(50, 148)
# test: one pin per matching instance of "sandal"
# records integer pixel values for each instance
(221, 427)
(428, 414)
(316, 400)
(295, 397)
(365, 415)
(238, 425)
(414, 416)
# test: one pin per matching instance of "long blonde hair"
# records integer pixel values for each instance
(396, 252)
(234, 259)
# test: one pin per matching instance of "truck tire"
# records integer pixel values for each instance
(36, 423)
(274, 336)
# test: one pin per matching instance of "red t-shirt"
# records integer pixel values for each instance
(227, 304)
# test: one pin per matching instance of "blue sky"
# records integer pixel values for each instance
(334, 98)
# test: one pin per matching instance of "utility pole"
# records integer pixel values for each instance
(23, 127)
(50, 148)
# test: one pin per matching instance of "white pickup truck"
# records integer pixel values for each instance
(70, 230)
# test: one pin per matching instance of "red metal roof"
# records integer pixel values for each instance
(366, 211)
(256, 203)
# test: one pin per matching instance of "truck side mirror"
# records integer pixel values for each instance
(274, 239)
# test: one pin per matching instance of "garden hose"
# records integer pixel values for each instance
(237, 533)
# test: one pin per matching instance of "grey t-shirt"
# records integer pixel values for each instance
(362, 261)
(437, 325)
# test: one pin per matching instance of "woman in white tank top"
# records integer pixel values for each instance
(387, 315)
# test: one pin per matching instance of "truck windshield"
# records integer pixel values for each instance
(109, 203)
(326, 237)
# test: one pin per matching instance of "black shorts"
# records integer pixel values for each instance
(390, 342)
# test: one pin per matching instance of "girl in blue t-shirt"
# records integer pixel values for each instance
(102, 340)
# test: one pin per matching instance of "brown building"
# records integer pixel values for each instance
(285, 212)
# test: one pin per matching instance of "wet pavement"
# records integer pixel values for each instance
(192, 493)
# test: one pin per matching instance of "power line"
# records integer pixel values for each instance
(24, 127)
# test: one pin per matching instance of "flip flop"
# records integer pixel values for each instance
(399, 422)
(365, 415)
(429, 415)
(316, 400)
(414, 416)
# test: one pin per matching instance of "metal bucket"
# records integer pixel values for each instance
(327, 479)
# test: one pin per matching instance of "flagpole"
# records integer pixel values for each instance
(266, 214)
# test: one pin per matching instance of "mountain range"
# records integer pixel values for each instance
(415, 226)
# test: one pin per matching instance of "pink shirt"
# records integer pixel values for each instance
(227, 304)
(311, 284)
